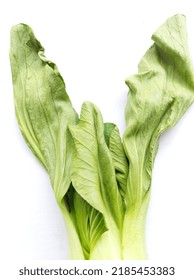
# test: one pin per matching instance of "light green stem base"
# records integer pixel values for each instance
(133, 238)
(134, 247)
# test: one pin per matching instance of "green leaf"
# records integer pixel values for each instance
(92, 171)
(42, 105)
(108, 129)
(90, 223)
(158, 96)
(120, 162)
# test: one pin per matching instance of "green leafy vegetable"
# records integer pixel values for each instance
(44, 112)
(158, 97)
(102, 182)
(93, 173)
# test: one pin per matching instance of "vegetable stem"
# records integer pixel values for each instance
(133, 238)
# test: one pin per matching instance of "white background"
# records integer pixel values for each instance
(96, 45)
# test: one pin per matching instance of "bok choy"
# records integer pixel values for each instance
(101, 180)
